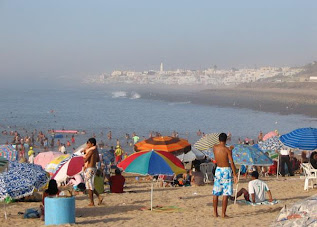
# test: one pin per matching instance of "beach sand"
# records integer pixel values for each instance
(284, 98)
(192, 206)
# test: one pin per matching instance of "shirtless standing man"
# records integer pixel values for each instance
(92, 157)
(223, 175)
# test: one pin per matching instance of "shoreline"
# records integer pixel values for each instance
(273, 100)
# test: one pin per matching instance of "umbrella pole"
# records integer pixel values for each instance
(237, 187)
(5, 210)
(152, 196)
(278, 166)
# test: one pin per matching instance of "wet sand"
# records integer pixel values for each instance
(275, 100)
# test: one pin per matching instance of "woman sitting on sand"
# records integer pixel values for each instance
(197, 178)
(51, 191)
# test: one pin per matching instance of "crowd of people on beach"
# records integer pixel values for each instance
(97, 172)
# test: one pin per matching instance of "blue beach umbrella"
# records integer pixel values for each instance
(107, 156)
(302, 138)
(21, 180)
(247, 155)
(270, 145)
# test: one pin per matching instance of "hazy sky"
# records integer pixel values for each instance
(75, 38)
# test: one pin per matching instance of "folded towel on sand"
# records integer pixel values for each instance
(260, 203)
(164, 209)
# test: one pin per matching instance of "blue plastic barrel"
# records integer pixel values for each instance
(59, 210)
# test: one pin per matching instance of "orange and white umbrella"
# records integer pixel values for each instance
(163, 143)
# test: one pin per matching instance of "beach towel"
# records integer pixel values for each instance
(32, 213)
(260, 203)
(164, 209)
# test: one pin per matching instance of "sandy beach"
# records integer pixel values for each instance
(191, 206)
(290, 98)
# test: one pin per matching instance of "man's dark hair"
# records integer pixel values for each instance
(255, 174)
(92, 141)
(117, 171)
(223, 137)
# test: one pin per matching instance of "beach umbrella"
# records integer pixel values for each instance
(80, 149)
(270, 145)
(269, 135)
(247, 155)
(56, 163)
(21, 179)
(208, 141)
(107, 156)
(192, 155)
(3, 164)
(163, 143)
(302, 138)
(152, 163)
(74, 165)
(9, 153)
(44, 158)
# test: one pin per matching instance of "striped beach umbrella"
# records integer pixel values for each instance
(152, 163)
(163, 143)
(208, 141)
(71, 167)
(302, 138)
(56, 163)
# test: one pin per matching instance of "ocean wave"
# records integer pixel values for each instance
(135, 95)
(119, 94)
(179, 103)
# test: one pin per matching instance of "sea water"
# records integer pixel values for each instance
(101, 110)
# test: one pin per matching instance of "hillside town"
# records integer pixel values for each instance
(210, 76)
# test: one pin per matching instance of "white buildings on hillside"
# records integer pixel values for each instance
(211, 76)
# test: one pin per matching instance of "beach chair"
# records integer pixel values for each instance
(310, 174)
(207, 170)
(164, 181)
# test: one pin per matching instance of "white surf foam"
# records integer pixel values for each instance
(135, 95)
(179, 103)
(119, 94)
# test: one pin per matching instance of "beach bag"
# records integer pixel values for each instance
(32, 213)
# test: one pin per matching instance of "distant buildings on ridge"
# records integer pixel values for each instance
(210, 76)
